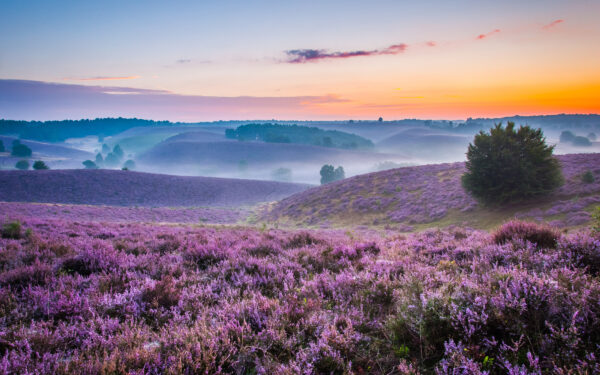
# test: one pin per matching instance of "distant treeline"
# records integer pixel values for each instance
(298, 134)
(58, 131)
(547, 122)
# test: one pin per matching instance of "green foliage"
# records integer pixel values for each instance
(22, 165)
(588, 177)
(331, 174)
(12, 230)
(567, 136)
(507, 165)
(275, 133)
(39, 165)
(581, 141)
(20, 150)
(88, 164)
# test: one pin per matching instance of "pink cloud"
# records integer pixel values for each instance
(487, 35)
(552, 24)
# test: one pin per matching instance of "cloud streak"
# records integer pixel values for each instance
(487, 35)
(102, 78)
(301, 56)
(553, 24)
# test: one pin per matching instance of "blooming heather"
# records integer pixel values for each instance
(96, 298)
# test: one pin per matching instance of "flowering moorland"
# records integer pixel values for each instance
(417, 196)
(115, 298)
(71, 212)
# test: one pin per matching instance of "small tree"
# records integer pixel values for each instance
(331, 174)
(88, 164)
(567, 136)
(39, 165)
(588, 177)
(507, 165)
(22, 165)
(20, 150)
(380, 119)
(581, 141)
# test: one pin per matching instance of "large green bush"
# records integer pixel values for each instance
(507, 165)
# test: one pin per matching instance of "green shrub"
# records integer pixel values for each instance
(588, 177)
(505, 165)
(22, 165)
(39, 165)
(12, 230)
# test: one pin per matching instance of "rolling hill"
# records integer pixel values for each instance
(432, 196)
(127, 188)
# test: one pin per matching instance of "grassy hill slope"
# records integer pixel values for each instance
(432, 195)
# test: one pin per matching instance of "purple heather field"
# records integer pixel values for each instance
(117, 298)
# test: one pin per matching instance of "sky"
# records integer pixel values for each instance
(296, 60)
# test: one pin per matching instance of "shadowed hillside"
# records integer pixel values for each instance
(432, 195)
(126, 188)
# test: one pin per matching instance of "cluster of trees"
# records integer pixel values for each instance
(37, 165)
(18, 149)
(277, 133)
(110, 159)
(577, 140)
(58, 131)
(508, 165)
(330, 174)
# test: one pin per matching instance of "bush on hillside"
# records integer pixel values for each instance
(505, 165)
(588, 177)
(88, 164)
(541, 235)
(20, 150)
(39, 165)
(331, 174)
(567, 136)
(22, 165)
(581, 141)
(12, 230)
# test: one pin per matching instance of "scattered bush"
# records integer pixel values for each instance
(507, 165)
(39, 165)
(20, 150)
(581, 141)
(567, 136)
(12, 230)
(588, 177)
(541, 235)
(88, 164)
(22, 165)
(331, 174)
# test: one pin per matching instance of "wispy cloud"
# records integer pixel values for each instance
(101, 78)
(183, 61)
(553, 24)
(299, 56)
(487, 35)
